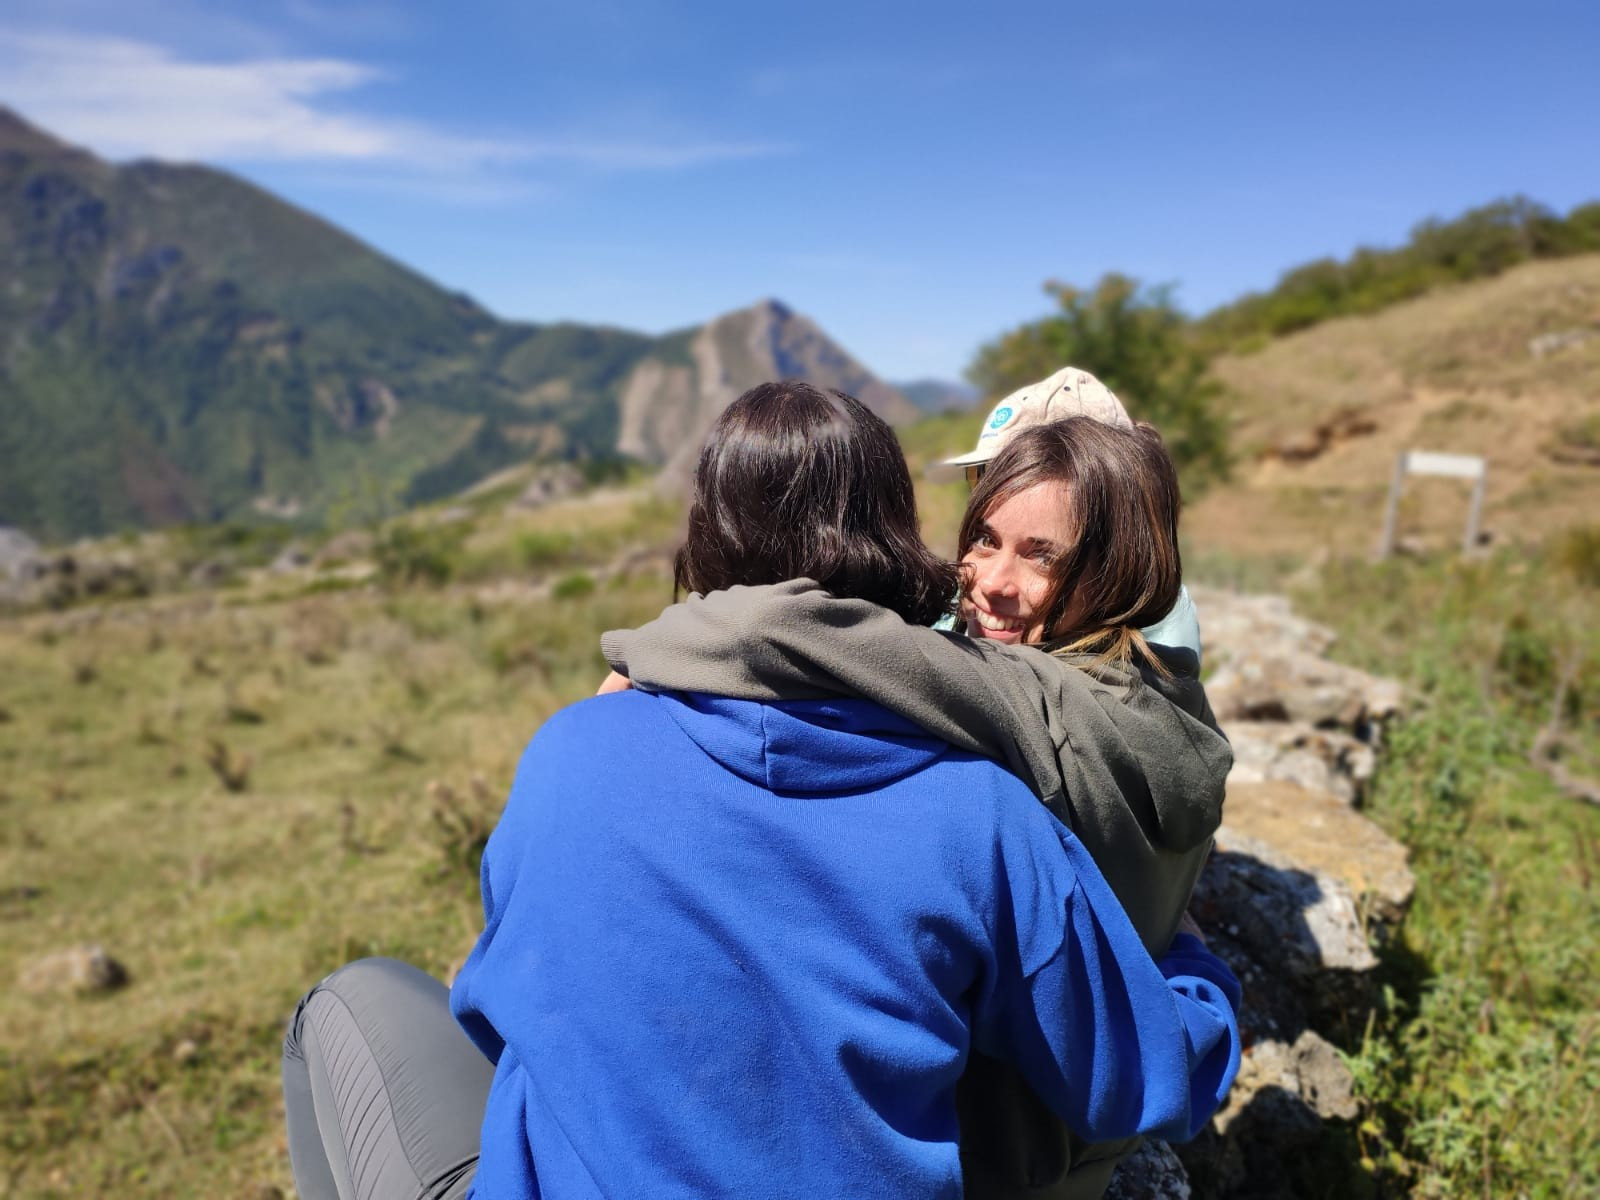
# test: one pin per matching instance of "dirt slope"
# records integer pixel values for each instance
(1507, 368)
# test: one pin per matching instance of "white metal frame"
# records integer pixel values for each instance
(1428, 462)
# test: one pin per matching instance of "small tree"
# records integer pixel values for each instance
(1137, 343)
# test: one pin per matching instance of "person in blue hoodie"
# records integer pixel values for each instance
(735, 948)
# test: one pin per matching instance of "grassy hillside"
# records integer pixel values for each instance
(1507, 368)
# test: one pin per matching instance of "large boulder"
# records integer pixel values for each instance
(1275, 684)
(1152, 1172)
(1291, 826)
(1269, 666)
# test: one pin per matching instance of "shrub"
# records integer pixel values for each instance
(463, 823)
(1134, 339)
(1579, 552)
(406, 554)
(1480, 242)
(573, 586)
(544, 548)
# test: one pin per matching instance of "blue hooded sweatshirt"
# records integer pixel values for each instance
(741, 949)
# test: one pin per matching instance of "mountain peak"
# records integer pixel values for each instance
(767, 311)
(18, 136)
(774, 308)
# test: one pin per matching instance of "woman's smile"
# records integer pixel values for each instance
(1007, 568)
(993, 624)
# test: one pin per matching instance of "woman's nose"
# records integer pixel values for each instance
(998, 576)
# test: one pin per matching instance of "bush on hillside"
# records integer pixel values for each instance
(1481, 242)
(1135, 340)
(1578, 551)
(407, 554)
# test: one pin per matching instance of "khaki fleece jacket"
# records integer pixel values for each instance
(1130, 760)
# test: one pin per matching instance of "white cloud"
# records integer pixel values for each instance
(128, 98)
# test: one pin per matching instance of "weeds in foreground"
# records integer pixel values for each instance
(1481, 1068)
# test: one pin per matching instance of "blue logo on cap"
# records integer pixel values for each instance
(1001, 416)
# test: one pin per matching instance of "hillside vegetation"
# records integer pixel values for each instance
(1479, 243)
(1447, 352)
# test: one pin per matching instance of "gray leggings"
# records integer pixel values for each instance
(382, 1092)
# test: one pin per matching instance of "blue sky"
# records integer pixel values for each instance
(907, 174)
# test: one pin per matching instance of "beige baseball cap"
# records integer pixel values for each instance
(1070, 392)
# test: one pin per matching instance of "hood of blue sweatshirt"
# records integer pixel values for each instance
(806, 747)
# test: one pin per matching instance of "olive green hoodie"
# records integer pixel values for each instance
(1129, 758)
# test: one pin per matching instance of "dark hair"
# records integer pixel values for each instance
(796, 482)
(1122, 570)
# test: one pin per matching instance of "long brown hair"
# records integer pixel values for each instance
(1123, 570)
(797, 482)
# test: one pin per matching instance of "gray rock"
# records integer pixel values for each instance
(1269, 666)
(20, 559)
(1290, 827)
(1152, 1172)
(292, 557)
(550, 484)
(1276, 684)
(1327, 760)
(82, 970)
(1284, 1093)
(1550, 343)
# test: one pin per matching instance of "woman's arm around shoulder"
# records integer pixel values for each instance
(1114, 1041)
(793, 641)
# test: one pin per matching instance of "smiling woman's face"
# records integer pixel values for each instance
(1007, 566)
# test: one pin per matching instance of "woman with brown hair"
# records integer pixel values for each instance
(738, 948)
(1068, 548)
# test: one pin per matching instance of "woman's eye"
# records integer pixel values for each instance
(1044, 558)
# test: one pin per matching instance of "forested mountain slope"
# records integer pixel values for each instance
(179, 345)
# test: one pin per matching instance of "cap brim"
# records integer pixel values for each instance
(953, 468)
(972, 458)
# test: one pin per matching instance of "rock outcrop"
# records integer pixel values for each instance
(666, 407)
(1300, 889)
